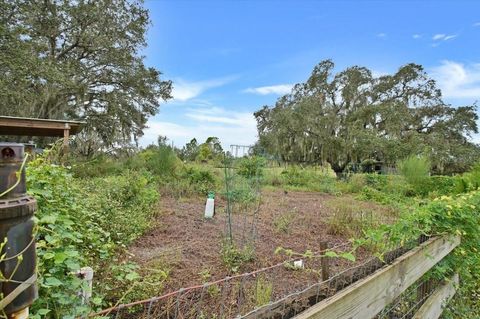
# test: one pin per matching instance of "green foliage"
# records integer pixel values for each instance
(263, 291)
(233, 257)
(190, 151)
(251, 167)
(348, 219)
(283, 221)
(416, 171)
(125, 199)
(161, 161)
(469, 181)
(318, 179)
(79, 59)
(456, 215)
(352, 116)
(136, 284)
(84, 223)
(210, 150)
(200, 180)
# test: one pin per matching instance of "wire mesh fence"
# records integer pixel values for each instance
(409, 302)
(278, 291)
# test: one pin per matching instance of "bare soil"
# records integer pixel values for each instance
(190, 244)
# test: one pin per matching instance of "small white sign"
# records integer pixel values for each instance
(210, 208)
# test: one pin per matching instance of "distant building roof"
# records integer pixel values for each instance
(22, 126)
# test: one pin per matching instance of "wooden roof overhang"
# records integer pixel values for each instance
(22, 126)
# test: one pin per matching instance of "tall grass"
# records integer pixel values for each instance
(317, 179)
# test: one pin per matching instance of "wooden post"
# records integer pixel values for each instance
(424, 288)
(432, 308)
(325, 261)
(66, 137)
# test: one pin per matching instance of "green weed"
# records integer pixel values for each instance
(234, 257)
(283, 222)
(263, 292)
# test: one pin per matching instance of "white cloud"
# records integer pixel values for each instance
(448, 37)
(231, 127)
(439, 36)
(184, 90)
(381, 35)
(279, 89)
(416, 36)
(443, 37)
(457, 80)
(476, 24)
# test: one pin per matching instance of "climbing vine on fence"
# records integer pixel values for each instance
(83, 223)
(456, 215)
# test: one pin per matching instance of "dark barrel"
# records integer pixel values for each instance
(16, 228)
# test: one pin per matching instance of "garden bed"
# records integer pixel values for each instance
(188, 246)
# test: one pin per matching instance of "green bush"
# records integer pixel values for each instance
(468, 181)
(98, 167)
(356, 183)
(124, 202)
(416, 171)
(251, 167)
(295, 176)
(161, 161)
(310, 179)
(200, 180)
(234, 257)
(84, 223)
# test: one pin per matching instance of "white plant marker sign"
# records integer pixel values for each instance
(210, 207)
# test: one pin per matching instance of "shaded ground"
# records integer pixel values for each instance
(191, 245)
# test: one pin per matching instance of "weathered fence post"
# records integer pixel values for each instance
(424, 288)
(325, 261)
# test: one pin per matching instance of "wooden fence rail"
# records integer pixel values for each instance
(369, 296)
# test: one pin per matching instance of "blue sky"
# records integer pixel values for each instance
(229, 58)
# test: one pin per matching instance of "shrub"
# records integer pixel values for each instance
(161, 161)
(468, 181)
(98, 167)
(416, 170)
(201, 180)
(356, 183)
(456, 215)
(295, 176)
(320, 180)
(234, 257)
(251, 167)
(84, 223)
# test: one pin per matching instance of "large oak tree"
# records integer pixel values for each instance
(62, 59)
(352, 116)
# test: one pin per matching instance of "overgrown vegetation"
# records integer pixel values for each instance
(317, 178)
(283, 222)
(350, 220)
(85, 222)
(457, 215)
(234, 257)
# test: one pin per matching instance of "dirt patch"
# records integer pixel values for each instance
(191, 245)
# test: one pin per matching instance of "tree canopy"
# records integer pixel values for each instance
(352, 116)
(79, 60)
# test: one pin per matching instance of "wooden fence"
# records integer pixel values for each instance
(367, 297)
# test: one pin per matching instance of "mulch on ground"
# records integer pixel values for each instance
(190, 244)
